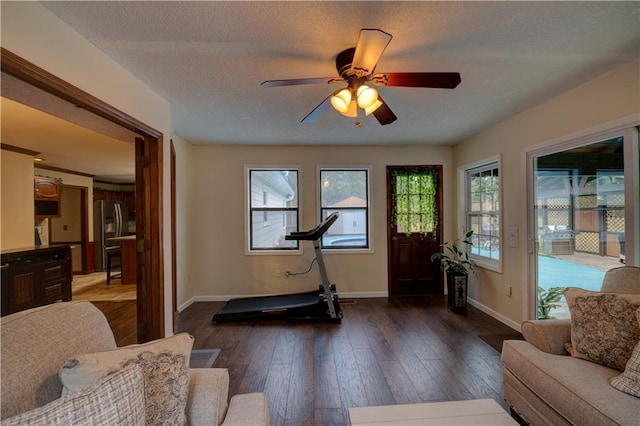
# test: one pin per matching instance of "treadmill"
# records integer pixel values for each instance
(314, 306)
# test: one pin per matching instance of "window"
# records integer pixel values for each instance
(414, 203)
(346, 191)
(482, 183)
(273, 208)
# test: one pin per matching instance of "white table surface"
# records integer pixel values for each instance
(470, 412)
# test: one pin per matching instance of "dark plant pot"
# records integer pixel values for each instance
(457, 291)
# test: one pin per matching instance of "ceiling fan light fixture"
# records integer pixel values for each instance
(369, 110)
(341, 100)
(367, 96)
(352, 109)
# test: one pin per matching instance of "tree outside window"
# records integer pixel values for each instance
(347, 192)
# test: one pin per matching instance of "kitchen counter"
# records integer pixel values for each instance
(129, 259)
(125, 238)
(34, 249)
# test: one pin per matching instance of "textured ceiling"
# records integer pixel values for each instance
(209, 58)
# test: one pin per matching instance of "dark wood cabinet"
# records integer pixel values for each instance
(46, 196)
(128, 197)
(35, 277)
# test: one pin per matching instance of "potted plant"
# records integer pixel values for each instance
(454, 261)
(548, 300)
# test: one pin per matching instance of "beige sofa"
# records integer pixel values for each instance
(36, 342)
(545, 386)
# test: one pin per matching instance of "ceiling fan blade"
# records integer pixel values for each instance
(383, 114)
(297, 81)
(318, 111)
(440, 80)
(371, 45)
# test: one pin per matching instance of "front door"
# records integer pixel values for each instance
(413, 210)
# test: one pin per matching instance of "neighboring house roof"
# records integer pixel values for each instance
(278, 182)
(352, 201)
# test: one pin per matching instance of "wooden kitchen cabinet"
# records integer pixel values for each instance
(46, 196)
(128, 197)
(35, 277)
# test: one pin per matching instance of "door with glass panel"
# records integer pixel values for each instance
(413, 215)
(580, 218)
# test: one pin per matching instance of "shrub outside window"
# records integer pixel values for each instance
(273, 208)
(483, 212)
(345, 190)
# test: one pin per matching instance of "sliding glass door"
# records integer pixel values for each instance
(583, 216)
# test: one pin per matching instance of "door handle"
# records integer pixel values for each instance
(394, 238)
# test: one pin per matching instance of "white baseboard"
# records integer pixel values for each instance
(186, 304)
(494, 314)
(362, 295)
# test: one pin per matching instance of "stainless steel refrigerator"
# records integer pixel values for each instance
(110, 219)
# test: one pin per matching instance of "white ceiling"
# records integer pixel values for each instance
(208, 58)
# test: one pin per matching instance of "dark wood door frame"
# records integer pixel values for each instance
(174, 259)
(410, 270)
(151, 288)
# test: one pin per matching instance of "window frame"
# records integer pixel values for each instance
(249, 210)
(369, 240)
(465, 212)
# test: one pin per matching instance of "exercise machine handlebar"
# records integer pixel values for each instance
(316, 232)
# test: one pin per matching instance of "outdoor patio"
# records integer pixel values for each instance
(575, 270)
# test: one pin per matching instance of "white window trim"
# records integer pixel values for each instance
(369, 169)
(247, 213)
(481, 261)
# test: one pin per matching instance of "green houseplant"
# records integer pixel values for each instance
(548, 300)
(454, 261)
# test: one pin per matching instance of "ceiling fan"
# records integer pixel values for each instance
(356, 67)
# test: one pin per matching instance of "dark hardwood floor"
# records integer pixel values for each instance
(122, 320)
(385, 351)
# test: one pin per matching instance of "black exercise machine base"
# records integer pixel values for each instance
(296, 307)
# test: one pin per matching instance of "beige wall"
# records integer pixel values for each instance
(610, 97)
(32, 32)
(16, 208)
(219, 266)
(70, 218)
(185, 196)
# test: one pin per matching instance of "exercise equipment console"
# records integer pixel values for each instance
(314, 306)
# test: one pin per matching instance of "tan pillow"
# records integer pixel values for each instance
(604, 326)
(164, 364)
(629, 380)
(117, 399)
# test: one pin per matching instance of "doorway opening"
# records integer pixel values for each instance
(581, 217)
(149, 217)
(414, 197)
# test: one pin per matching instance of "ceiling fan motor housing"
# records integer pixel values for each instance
(343, 63)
